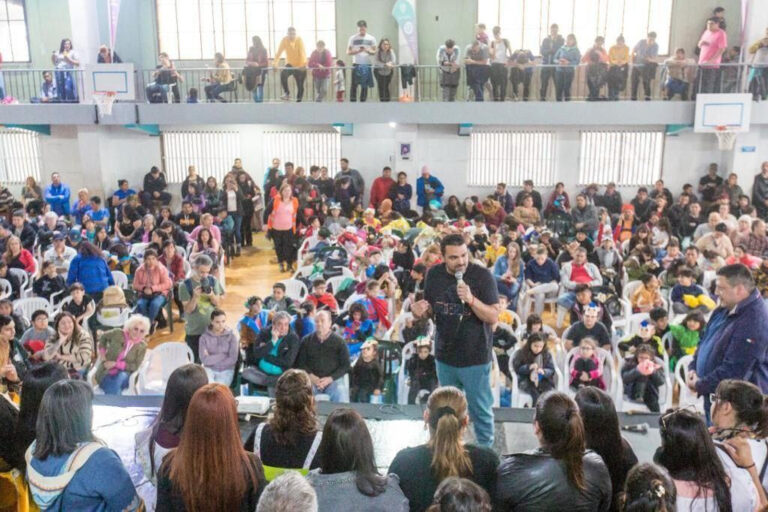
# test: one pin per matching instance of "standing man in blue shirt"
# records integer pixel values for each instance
(734, 344)
(57, 195)
(644, 65)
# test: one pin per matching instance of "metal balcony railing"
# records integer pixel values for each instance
(410, 84)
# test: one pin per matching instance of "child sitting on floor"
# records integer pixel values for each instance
(534, 367)
(645, 336)
(647, 296)
(643, 377)
(586, 369)
(422, 372)
(366, 376)
(687, 296)
(685, 337)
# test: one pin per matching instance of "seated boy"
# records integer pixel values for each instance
(645, 336)
(687, 296)
(647, 296)
(279, 301)
(321, 298)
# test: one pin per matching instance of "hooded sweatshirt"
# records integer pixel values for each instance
(218, 351)
(92, 478)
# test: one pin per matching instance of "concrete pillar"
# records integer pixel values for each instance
(86, 38)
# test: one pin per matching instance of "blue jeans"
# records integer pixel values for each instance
(476, 383)
(150, 307)
(65, 86)
(238, 227)
(510, 291)
(114, 384)
(567, 300)
(336, 390)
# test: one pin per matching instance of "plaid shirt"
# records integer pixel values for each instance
(756, 245)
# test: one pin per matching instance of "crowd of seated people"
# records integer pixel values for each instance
(363, 271)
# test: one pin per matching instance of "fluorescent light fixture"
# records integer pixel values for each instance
(392, 124)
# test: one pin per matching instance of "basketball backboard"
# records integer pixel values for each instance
(730, 110)
(101, 78)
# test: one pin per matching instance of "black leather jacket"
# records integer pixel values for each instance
(535, 481)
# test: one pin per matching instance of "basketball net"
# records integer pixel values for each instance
(726, 138)
(104, 101)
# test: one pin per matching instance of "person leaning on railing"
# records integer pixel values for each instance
(450, 69)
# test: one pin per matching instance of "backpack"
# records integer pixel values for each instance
(561, 224)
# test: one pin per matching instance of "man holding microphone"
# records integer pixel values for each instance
(464, 304)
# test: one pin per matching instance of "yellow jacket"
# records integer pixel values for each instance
(295, 55)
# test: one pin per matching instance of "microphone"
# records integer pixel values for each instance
(641, 428)
(460, 279)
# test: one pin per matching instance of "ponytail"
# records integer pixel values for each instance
(563, 432)
(447, 409)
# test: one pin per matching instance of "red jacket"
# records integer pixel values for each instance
(380, 190)
(25, 260)
(325, 299)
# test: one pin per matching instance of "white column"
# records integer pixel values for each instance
(756, 21)
(86, 36)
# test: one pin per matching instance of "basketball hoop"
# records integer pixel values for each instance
(726, 138)
(104, 101)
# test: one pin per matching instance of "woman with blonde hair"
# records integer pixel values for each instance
(16, 256)
(422, 468)
(81, 205)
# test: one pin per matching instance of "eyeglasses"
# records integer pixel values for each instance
(665, 417)
(713, 397)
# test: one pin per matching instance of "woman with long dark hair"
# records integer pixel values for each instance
(384, 62)
(246, 186)
(205, 476)
(38, 379)
(68, 468)
(648, 488)
(348, 479)
(422, 468)
(290, 438)
(71, 347)
(740, 425)
(602, 434)
(567, 475)
(256, 64)
(690, 456)
(163, 435)
(64, 61)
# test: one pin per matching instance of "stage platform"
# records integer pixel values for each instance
(392, 427)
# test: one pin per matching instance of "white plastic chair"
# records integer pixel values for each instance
(295, 289)
(351, 300)
(154, 372)
(521, 398)
(665, 391)
(334, 282)
(25, 283)
(114, 321)
(5, 289)
(121, 280)
(687, 397)
(402, 379)
(605, 360)
(182, 251)
(137, 250)
(304, 271)
(187, 269)
(132, 379)
(347, 273)
(60, 306)
(27, 306)
(495, 380)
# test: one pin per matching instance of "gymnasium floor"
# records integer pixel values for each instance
(249, 274)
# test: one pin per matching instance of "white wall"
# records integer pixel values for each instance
(97, 156)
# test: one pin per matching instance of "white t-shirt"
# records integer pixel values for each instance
(231, 201)
(357, 40)
(500, 55)
(743, 493)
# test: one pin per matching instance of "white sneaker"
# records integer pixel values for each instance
(285, 97)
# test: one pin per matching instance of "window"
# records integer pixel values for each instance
(14, 43)
(629, 158)
(20, 156)
(304, 149)
(212, 152)
(526, 22)
(511, 157)
(197, 30)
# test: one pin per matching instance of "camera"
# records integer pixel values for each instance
(206, 289)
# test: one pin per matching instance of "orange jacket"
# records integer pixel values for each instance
(276, 204)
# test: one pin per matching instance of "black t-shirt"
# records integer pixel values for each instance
(278, 455)
(75, 309)
(462, 339)
(579, 331)
(417, 481)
